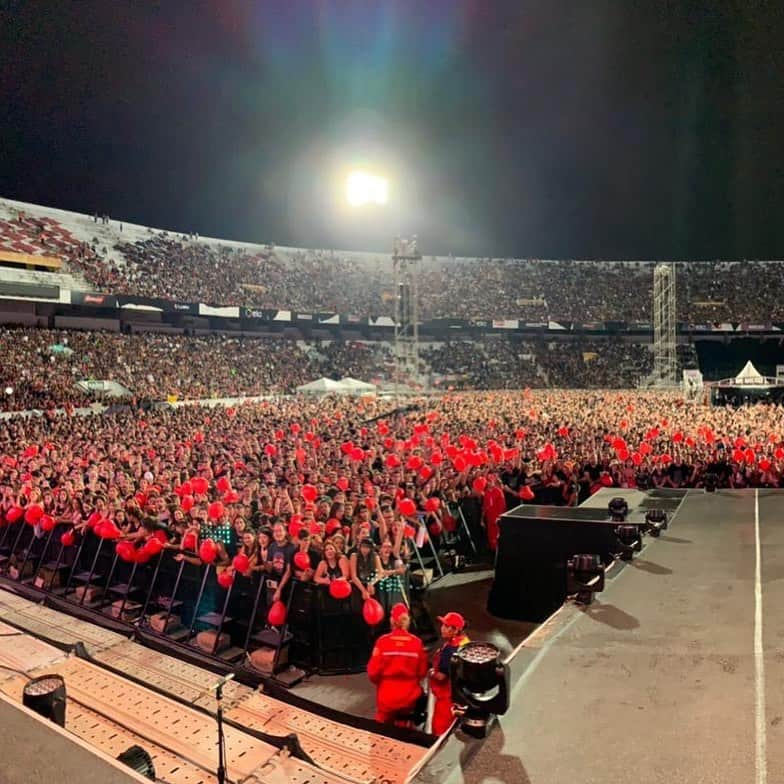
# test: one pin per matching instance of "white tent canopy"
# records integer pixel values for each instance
(321, 386)
(346, 386)
(355, 385)
(749, 377)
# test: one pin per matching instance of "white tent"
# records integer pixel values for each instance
(750, 376)
(356, 386)
(321, 386)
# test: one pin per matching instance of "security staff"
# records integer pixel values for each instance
(452, 639)
(397, 666)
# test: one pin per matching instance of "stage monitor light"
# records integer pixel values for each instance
(629, 540)
(138, 759)
(363, 188)
(618, 508)
(584, 577)
(655, 521)
(46, 696)
(480, 687)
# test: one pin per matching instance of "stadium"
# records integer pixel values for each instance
(272, 513)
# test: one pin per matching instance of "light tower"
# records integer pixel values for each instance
(665, 347)
(405, 263)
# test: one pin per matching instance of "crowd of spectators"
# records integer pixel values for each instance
(187, 268)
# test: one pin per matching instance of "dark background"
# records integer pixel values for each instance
(541, 128)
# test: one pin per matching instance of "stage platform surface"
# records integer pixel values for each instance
(674, 674)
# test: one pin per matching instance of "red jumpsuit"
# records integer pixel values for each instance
(493, 506)
(397, 665)
(442, 689)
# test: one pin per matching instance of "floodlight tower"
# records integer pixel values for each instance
(665, 354)
(405, 263)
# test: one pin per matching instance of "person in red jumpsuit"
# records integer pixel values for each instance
(493, 506)
(452, 640)
(397, 666)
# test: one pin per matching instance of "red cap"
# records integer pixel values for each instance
(453, 619)
(398, 611)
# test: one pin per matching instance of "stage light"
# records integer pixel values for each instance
(655, 521)
(629, 540)
(711, 481)
(480, 687)
(46, 696)
(138, 759)
(584, 577)
(618, 509)
(363, 188)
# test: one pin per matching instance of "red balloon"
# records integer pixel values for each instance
(225, 580)
(357, 454)
(125, 551)
(186, 488)
(333, 524)
(764, 464)
(666, 458)
(187, 502)
(372, 612)
(270, 450)
(623, 454)
(409, 532)
(407, 507)
(392, 461)
(276, 616)
(215, 510)
(526, 493)
(67, 539)
(425, 473)
(342, 483)
(223, 485)
(153, 546)
(200, 485)
(309, 493)
(479, 485)
(340, 589)
(301, 560)
(636, 458)
(14, 514)
(460, 464)
(47, 522)
(434, 528)
(108, 530)
(208, 551)
(414, 463)
(432, 504)
(189, 542)
(677, 437)
(231, 497)
(436, 459)
(241, 563)
(33, 514)
(779, 453)
(563, 432)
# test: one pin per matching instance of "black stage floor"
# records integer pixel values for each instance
(674, 674)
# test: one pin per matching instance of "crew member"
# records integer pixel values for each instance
(452, 639)
(397, 666)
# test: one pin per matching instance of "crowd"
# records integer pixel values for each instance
(190, 269)
(41, 366)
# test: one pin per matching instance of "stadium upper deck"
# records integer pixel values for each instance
(113, 256)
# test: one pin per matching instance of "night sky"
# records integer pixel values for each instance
(536, 128)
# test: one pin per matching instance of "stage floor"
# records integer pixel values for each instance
(674, 674)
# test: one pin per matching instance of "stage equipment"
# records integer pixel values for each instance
(655, 522)
(46, 696)
(711, 481)
(629, 541)
(138, 759)
(618, 508)
(665, 321)
(480, 687)
(405, 265)
(584, 577)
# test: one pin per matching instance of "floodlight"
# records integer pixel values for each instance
(46, 696)
(584, 577)
(363, 188)
(480, 686)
